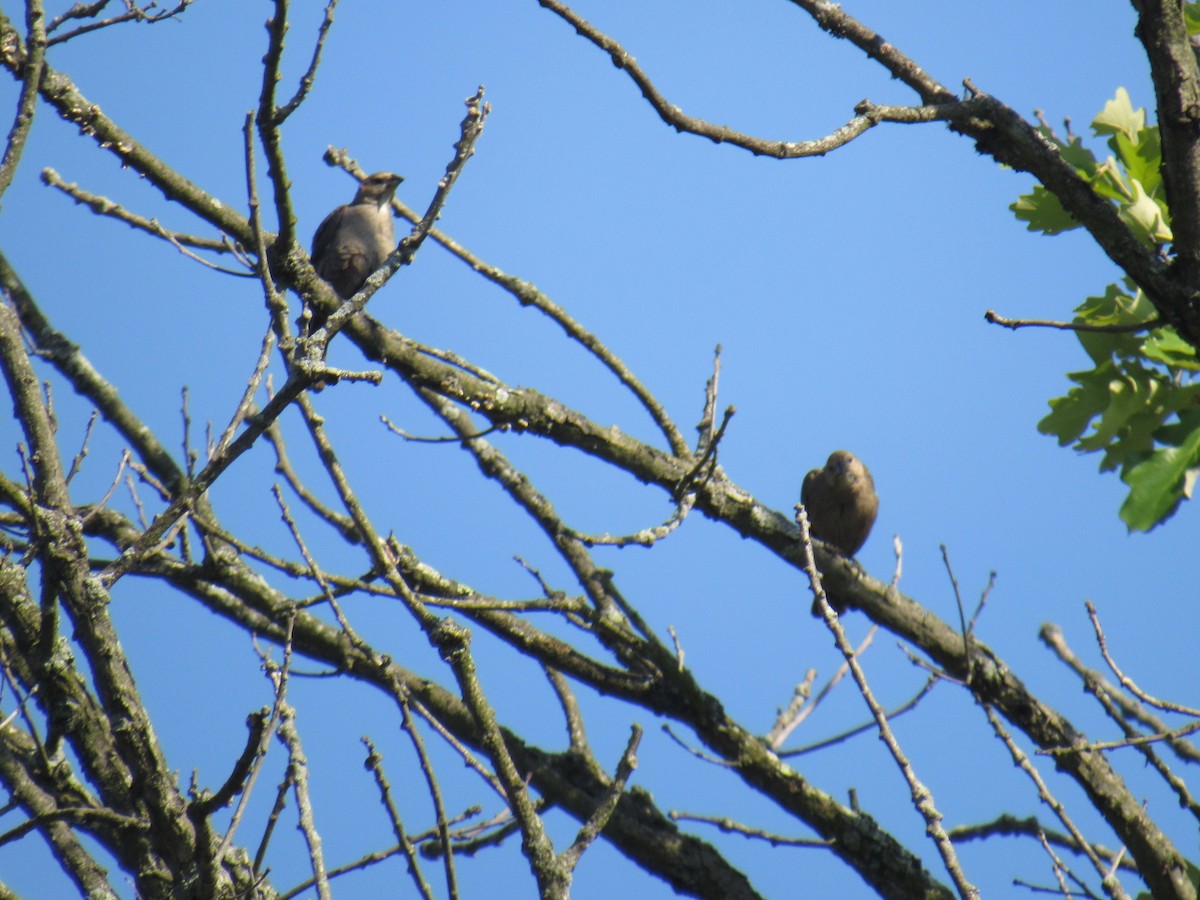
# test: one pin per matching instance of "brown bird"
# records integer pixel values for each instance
(842, 505)
(354, 240)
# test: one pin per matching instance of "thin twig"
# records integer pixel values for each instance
(279, 683)
(679, 653)
(836, 678)
(1052, 636)
(245, 407)
(898, 550)
(1006, 825)
(922, 798)
(103, 206)
(112, 489)
(1023, 762)
(528, 295)
(962, 615)
(374, 763)
(275, 299)
(788, 718)
(471, 760)
(306, 81)
(298, 775)
(729, 826)
(133, 14)
(597, 821)
(576, 733)
(1127, 682)
(1127, 328)
(900, 710)
(869, 114)
(647, 537)
(283, 466)
(438, 439)
(77, 462)
(983, 599)
(699, 754)
(1060, 869)
(315, 570)
(435, 790)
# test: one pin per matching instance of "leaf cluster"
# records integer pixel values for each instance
(1139, 404)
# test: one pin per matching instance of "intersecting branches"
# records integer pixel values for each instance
(114, 756)
(1130, 709)
(133, 13)
(103, 206)
(631, 664)
(1001, 133)
(528, 411)
(1111, 885)
(922, 798)
(868, 116)
(309, 355)
(528, 295)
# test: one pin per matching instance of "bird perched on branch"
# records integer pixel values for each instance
(355, 239)
(842, 505)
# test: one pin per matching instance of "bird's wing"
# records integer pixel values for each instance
(807, 495)
(325, 234)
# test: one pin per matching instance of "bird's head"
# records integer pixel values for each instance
(844, 466)
(378, 189)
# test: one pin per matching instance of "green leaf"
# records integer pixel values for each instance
(1127, 405)
(1113, 307)
(1042, 212)
(1136, 441)
(1142, 158)
(1139, 407)
(1178, 433)
(1128, 396)
(1165, 346)
(1070, 415)
(1073, 151)
(1191, 15)
(1157, 485)
(1117, 306)
(1145, 217)
(1110, 182)
(1118, 115)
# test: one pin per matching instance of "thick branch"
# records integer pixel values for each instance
(638, 829)
(25, 780)
(27, 102)
(60, 92)
(720, 499)
(63, 555)
(998, 132)
(947, 104)
(1163, 33)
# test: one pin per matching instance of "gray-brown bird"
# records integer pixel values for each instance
(355, 239)
(842, 505)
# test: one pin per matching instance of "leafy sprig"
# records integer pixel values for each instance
(1139, 404)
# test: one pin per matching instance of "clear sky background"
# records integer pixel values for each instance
(848, 293)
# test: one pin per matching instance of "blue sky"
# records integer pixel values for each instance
(848, 293)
